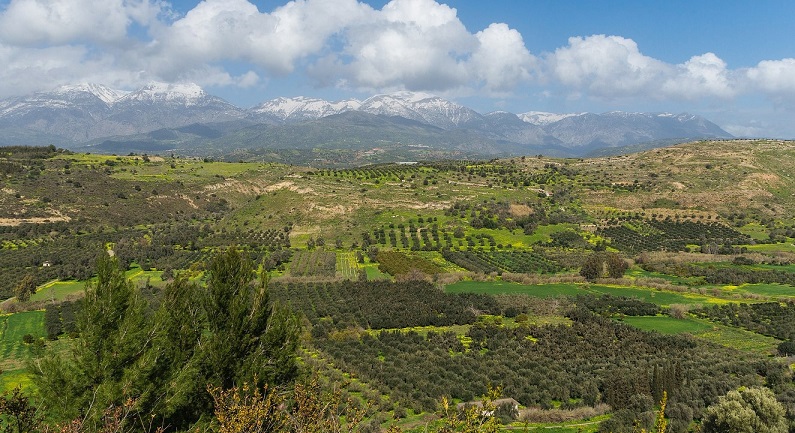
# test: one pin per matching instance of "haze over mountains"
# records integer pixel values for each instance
(184, 118)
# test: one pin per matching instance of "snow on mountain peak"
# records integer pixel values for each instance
(182, 93)
(187, 89)
(542, 118)
(302, 107)
(104, 93)
(412, 97)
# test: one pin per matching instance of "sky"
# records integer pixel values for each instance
(730, 61)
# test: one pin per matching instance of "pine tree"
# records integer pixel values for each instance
(113, 332)
(158, 364)
(266, 337)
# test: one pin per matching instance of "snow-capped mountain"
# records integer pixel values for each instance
(301, 108)
(104, 93)
(542, 118)
(421, 107)
(161, 105)
(83, 112)
(71, 115)
(68, 111)
(187, 94)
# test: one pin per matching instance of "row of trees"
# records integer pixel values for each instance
(591, 361)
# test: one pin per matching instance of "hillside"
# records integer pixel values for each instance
(585, 287)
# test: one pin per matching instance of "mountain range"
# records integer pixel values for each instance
(183, 118)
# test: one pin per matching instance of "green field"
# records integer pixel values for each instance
(58, 290)
(373, 273)
(658, 297)
(772, 248)
(139, 277)
(775, 290)
(637, 272)
(738, 338)
(666, 324)
(724, 335)
(12, 328)
(500, 287)
(13, 351)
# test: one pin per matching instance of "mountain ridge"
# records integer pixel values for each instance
(87, 114)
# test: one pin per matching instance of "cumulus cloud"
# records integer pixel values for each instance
(704, 75)
(605, 66)
(217, 30)
(33, 22)
(611, 67)
(774, 77)
(423, 45)
(501, 60)
(415, 44)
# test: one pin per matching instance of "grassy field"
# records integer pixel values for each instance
(667, 324)
(774, 290)
(58, 290)
(61, 290)
(738, 338)
(637, 272)
(788, 247)
(755, 231)
(373, 273)
(12, 328)
(724, 335)
(658, 297)
(500, 287)
(13, 351)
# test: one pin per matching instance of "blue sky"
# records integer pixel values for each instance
(730, 61)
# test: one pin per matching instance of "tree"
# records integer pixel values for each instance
(265, 336)
(17, 415)
(25, 288)
(592, 267)
(678, 311)
(113, 333)
(746, 410)
(616, 265)
(786, 348)
(157, 363)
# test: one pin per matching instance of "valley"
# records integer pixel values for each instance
(588, 290)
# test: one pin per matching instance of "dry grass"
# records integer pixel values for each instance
(533, 414)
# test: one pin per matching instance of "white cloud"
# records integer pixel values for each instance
(501, 60)
(605, 66)
(773, 77)
(701, 76)
(34, 22)
(218, 30)
(423, 45)
(26, 70)
(412, 44)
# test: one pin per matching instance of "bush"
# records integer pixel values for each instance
(786, 348)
